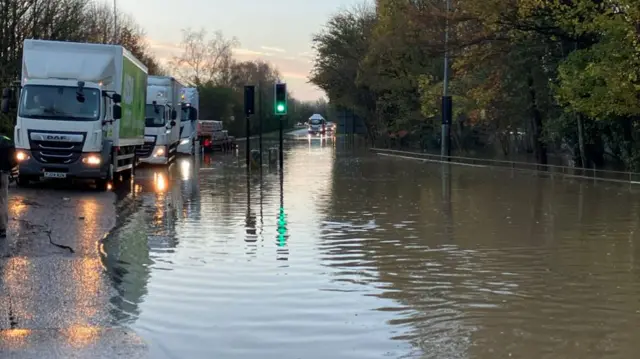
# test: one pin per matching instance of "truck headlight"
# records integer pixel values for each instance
(21, 156)
(159, 152)
(92, 160)
(184, 141)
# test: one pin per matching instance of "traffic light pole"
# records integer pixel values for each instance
(447, 102)
(281, 143)
(260, 119)
(249, 109)
(248, 142)
(280, 102)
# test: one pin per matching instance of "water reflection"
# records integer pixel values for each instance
(144, 238)
(44, 287)
(283, 233)
(388, 258)
(125, 256)
(509, 277)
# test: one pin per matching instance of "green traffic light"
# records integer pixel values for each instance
(280, 107)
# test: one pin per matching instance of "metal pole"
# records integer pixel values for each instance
(281, 144)
(260, 119)
(4, 203)
(115, 22)
(446, 99)
(248, 144)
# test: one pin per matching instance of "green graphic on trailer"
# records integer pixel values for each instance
(134, 86)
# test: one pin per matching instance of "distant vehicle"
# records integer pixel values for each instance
(317, 125)
(331, 127)
(212, 136)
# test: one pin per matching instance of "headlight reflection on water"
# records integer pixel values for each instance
(185, 169)
(160, 182)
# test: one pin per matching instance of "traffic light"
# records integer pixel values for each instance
(280, 99)
(249, 100)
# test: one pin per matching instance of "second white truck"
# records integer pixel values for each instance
(189, 120)
(80, 111)
(162, 120)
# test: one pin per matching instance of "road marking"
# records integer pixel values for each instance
(434, 161)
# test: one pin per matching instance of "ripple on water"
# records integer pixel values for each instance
(407, 264)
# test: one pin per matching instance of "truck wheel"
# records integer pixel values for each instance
(23, 181)
(130, 173)
(103, 184)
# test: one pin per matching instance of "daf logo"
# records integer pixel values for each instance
(53, 137)
(57, 138)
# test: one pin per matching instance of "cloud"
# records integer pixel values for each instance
(295, 75)
(247, 52)
(273, 49)
(158, 45)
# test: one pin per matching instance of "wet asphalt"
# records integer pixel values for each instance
(54, 293)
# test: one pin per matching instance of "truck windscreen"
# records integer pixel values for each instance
(59, 103)
(154, 116)
(190, 113)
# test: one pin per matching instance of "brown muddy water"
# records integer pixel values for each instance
(381, 258)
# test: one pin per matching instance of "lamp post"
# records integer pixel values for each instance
(447, 103)
(115, 22)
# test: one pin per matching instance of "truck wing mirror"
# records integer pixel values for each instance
(174, 114)
(116, 98)
(117, 112)
(5, 105)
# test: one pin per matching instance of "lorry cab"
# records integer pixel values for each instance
(317, 125)
(161, 133)
(189, 120)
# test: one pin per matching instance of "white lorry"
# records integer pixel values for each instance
(80, 112)
(189, 120)
(162, 120)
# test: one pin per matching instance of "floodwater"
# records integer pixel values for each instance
(374, 257)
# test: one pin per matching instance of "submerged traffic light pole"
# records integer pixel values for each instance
(280, 109)
(249, 103)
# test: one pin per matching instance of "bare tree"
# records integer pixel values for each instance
(203, 60)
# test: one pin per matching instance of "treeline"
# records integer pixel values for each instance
(62, 20)
(207, 62)
(550, 78)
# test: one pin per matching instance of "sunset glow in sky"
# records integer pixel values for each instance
(277, 31)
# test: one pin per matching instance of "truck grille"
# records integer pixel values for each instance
(53, 148)
(148, 146)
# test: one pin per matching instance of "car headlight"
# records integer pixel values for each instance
(92, 160)
(184, 141)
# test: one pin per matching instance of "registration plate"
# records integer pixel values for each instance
(55, 175)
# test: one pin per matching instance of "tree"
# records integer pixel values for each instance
(341, 49)
(204, 60)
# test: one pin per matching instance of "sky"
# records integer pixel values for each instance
(277, 31)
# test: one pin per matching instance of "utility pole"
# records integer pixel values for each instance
(447, 103)
(115, 22)
(249, 109)
(260, 119)
(280, 97)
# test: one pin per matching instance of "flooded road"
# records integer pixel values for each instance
(350, 255)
